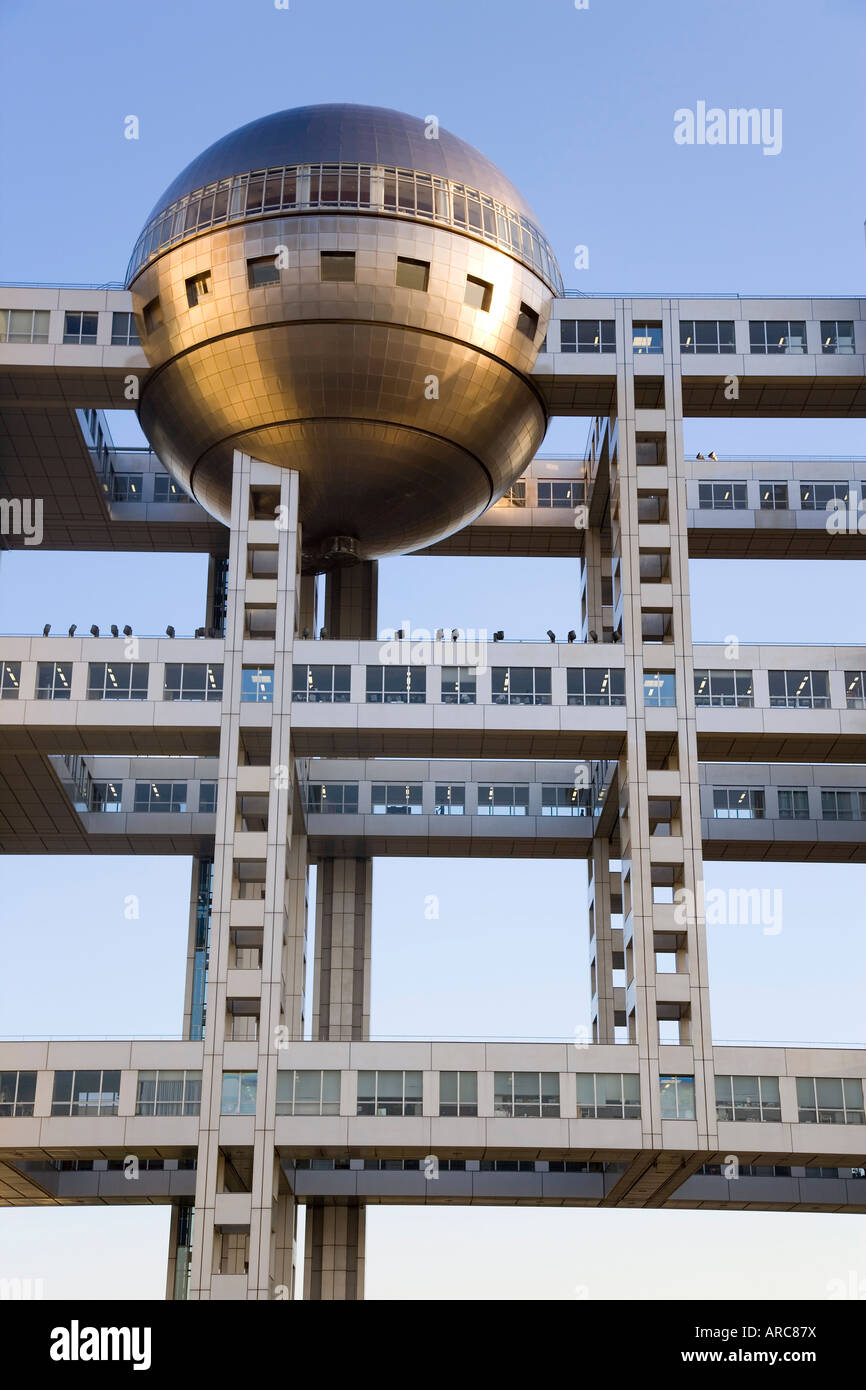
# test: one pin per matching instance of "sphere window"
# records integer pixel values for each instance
(527, 321)
(197, 286)
(478, 293)
(412, 275)
(338, 265)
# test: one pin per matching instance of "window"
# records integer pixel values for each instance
(527, 321)
(308, 1093)
(396, 799)
(502, 799)
(777, 335)
(738, 803)
(595, 685)
(707, 335)
(389, 1093)
(321, 685)
(412, 275)
(724, 689)
(587, 335)
(17, 1093)
(332, 798)
(748, 1098)
(165, 489)
(458, 1093)
(458, 685)
(80, 328)
(450, 800)
(337, 265)
(53, 680)
(522, 1095)
(608, 1096)
(478, 293)
(239, 1093)
(516, 495)
(659, 688)
(85, 1093)
(827, 1100)
(855, 689)
(842, 805)
(10, 679)
(153, 315)
(774, 497)
(262, 271)
(24, 325)
(127, 487)
(104, 797)
(817, 497)
(564, 492)
(257, 684)
(521, 685)
(168, 1093)
(123, 330)
(160, 796)
(207, 795)
(396, 685)
(117, 680)
(564, 801)
(722, 497)
(190, 680)
(678, 1097)
(197, 287)
(646, 338)
(799, 690)
(837, 336)
(793, 803)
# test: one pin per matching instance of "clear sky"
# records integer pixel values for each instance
(577, 107)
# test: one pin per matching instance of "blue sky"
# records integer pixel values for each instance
(577, 107)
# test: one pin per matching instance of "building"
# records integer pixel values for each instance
(345, 336)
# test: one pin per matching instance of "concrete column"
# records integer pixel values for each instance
(341, 984)
(601, 946)
(179, 1243)
(334, 1255)
(198, 947)
(351, 601)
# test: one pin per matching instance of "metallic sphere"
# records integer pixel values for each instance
(355, 294)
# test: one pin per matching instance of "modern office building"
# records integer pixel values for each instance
(345, 334)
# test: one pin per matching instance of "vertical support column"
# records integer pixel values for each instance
(244, 1212)
(334, 1254)
(198, 948)
(341, 984)
(601, 945)
(351, 601)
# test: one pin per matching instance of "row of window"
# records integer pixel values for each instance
(405, 799)
(793, 689)
(79, 327)
(748, 803)
(106, 797)
(129, 487)
(702, 336)
(773, 497)
(516, 1095)
(550, 493)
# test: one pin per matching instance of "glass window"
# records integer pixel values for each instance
(127, 487)
(706, 335)
(478, 293)
(332, 798)
(24, 325)
(646, 337)
(80, 327)
(818, 497)
(592, 685)
(168, 1093)
(85, 1093)
(799, 690)
(239, 1093)
(10, 679)
(207, 795)
(257, 684)
(659, 688)
(458, 1093)
(837, 336)
(53, 680)
(104, 797)
(337, 265)
(450, 800)
(608, 1096)
(842, 804)
(587, 335)
(501, 799)
(724, 689)
(396, 1093)
(521, 685)
(397, 798)
(738, 803)
(526, 1094)
(262, 271)
(321, 684)
(557, 800)
(855, 689)
(516, 495)
(677, 1097)
(117, 680)
(722, 497)
(308, 1093)
(458, 685)
(412, 275)
(192, 681)
(774, 497)
(793, 803)
(773, 336)
(160, 796)
(17, 1093)
(827, 1100)
(396, 685)
(527, 321)
(197, 288)
(560, 492)
(123, 330)
(748, 1098)
(165, 489)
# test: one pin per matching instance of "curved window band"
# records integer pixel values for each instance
(348, 187)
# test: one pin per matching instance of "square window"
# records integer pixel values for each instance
(412, 275)
(337, 265)
(153, 316)
(197, 286)
(262, 271)
(527, 321)
(478, 294)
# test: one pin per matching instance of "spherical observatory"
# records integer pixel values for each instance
(357, 295)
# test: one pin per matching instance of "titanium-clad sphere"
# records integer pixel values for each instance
(355, 294)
